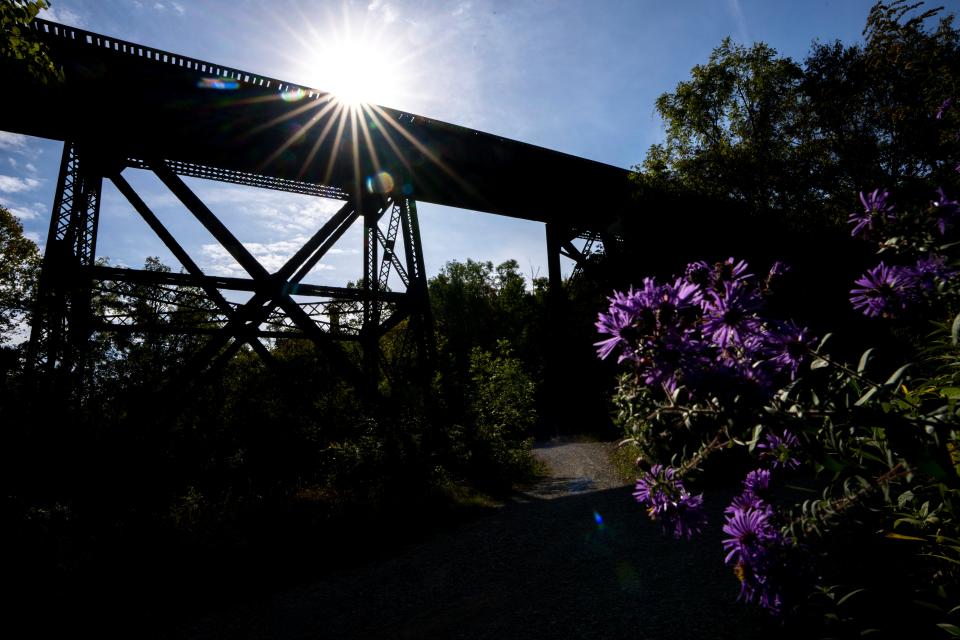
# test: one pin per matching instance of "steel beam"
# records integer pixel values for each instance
(61, 322)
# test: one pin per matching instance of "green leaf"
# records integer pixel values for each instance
(952, 629)
(932, 468)
(755, 438)
(928, 605)
(848, 596)
(819, 363)
(826, 337)
(955, 330)
(865, 398)
(864, 360)
(894, 379)
(832, 463)
(900, 536)
(904, 498)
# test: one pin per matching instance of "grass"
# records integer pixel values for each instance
(624, 460)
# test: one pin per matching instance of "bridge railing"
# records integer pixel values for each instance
(55, 30)
(89, 38)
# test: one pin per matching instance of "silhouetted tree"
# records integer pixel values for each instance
(19, 268)
(798, 141)
(18, 46)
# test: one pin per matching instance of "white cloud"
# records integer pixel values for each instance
(178, 8)
(63, 16)
(385, 9)
(13, 162)
(30, 167)
(743, 33)
(12, 184)
(12, 141)
(24, 213)
(271, 255)
(32, 235)
(159, 6)
(284, 213)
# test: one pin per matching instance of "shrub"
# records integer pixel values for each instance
(502, 417)
(877, 545)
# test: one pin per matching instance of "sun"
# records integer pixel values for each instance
(357, 67)
(357, 71)
(362, 56)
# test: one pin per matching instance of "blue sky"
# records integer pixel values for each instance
(577, 76)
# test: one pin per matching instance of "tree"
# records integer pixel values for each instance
(731, 128)
(19, 268)
(799, 141)
(18, 43)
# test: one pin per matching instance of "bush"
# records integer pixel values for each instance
(502, 416)
(877, 448)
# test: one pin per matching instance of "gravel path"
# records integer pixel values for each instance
(573, 557)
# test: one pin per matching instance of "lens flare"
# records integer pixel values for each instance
(220, 84)
(381, 183)
(293, 95)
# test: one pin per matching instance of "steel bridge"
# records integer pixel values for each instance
(125, 105)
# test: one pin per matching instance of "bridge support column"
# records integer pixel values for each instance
(62, 318)
(381, 258)
(554, 243)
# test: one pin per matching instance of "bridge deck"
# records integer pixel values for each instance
(138, 103)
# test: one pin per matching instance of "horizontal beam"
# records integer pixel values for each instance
(170, 278)
(261, 181)
(209, 331)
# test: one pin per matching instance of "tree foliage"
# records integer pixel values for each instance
(18, 44)
(19, 269)
(793, 139)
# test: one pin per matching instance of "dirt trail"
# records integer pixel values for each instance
(572, 557)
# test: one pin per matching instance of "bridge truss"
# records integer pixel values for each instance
(78, 297)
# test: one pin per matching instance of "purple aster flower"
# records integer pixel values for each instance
(753, 548)
(883, 291)
(778, 450)
(654, 327)
(755, 487)
(706, 275)
(788, 347)
(746, 501)
(775, 275)
(757, 482)
(875, 210)
(750, 530)
(698, 273)
(728, 316)
(617, 323)
(669, 503)
(946, 210)
(946, 104)
(731, 270)
(929, 272)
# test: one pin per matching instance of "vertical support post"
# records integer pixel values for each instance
(553, 377)
(421, 317)
(62, 317)
(554, 241)
(370, 334)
